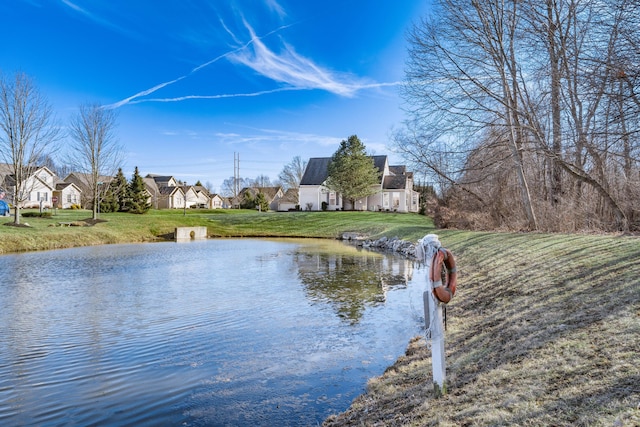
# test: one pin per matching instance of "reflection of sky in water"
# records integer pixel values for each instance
(221, 332)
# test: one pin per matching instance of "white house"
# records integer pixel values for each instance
(203, 198)
(289, 201)
(217, 202)
(66, 195)
(164, 192)
(191, 198)
(36, 191)
(394, 191)
(83, 181)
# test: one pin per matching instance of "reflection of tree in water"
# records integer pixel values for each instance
(350, 283)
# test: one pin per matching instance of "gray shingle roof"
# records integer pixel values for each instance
(317, 169)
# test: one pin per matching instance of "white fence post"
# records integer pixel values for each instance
(427, 247)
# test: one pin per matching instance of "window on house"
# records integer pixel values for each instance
(385, 200)
(68, 198)
(332, 198)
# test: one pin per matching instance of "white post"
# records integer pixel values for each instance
(437, 348)
(427, 247)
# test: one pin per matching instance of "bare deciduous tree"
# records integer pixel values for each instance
(292, 173)
(553, 82)
(28, 133)
(94, 149)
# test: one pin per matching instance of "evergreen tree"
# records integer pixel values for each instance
(114, 198)
(108, 203)
(248, 201)
(137, 196)
(261, 202)
(352, 172)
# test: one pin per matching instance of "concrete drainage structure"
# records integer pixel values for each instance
(190, 233)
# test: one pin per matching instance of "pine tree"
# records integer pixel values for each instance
(137, 196)
(352, 172)
(108, 203)
(261, 202)
(114, 199)
(248, 201)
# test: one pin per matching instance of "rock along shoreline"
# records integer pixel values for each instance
(394, 244)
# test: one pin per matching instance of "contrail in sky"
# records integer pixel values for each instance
(232, 95)
(131, 99)
(297, 72)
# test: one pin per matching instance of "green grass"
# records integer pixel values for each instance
(46, 233)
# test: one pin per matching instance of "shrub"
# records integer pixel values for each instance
(36, 214)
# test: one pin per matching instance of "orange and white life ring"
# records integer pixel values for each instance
(444, 279)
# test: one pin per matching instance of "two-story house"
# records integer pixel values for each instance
(394, 190)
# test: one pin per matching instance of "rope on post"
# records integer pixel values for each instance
(426, 251)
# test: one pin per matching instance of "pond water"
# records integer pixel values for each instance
(206, 333)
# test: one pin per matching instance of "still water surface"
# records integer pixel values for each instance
(209, 333)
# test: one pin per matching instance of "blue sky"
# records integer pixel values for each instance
(195, 81)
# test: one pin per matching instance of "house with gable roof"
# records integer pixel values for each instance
(394, 191)
(83, 182)
(37, 189)
(218, 202)
(203, 198)
(289, 201)
(272, 195)
(164, 192)
(191, 198)
(66, 195)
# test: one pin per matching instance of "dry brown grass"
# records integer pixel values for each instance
(545, 330)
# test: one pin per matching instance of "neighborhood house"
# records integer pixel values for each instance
(395, 189)
(39, 189)
(165, 192)
(43, 189)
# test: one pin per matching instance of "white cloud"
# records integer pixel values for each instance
(291, 68)
(277, 8)
(288, 68)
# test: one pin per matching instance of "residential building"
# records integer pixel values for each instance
(164, 192)
(394, 191)
(84, 183)
(218, 202)
(272, 194)
(66, 195)
(289, 201)
(36, 190)
(203, 198)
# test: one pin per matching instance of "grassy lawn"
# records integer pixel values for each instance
(47, 233)
(544, 330)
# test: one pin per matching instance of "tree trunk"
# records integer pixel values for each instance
(556, 125)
